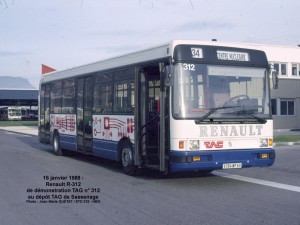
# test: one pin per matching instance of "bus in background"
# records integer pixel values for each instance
(182, 106)
(29, 113)
(10, 113)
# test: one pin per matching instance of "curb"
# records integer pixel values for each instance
(19, 132)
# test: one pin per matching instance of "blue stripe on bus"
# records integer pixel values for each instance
(214, 160)
(68, 142)
(101, 148)
(105, 149)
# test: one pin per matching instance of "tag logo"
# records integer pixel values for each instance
(213, 144)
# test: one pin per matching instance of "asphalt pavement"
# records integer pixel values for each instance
(33, 131)
(38, 187)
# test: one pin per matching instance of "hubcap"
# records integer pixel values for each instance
(126, 157)
(55, 144)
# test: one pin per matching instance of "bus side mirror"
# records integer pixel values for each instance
(168, 76)
(275, 79)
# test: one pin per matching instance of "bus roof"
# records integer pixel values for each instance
(161, 52)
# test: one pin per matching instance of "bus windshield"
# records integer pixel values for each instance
(216, 93)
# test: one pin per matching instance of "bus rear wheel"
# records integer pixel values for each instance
(56, 145)
(127, 159)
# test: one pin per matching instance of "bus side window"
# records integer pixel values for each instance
(102, 94)
(68, 96)
(124, 92)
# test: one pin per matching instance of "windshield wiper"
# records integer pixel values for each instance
(213, 110)
(244, 112)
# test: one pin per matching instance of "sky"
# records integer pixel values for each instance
(63, 34)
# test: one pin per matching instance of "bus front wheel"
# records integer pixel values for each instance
(56, 144)
(127, 158)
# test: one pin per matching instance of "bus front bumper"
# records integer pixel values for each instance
(216, 160)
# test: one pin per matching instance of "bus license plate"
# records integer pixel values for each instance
(232, 166)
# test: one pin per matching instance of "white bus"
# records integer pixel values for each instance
(182, 106)
(10, 113)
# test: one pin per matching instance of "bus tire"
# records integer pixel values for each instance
(56, 145)
(127, 158)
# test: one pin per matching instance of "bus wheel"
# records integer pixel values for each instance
(127, 158)
(56, 144)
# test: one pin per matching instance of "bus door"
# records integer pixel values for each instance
(148, 117)
(45, 114)
(84, 115)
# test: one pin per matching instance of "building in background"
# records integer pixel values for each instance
(18, 94)
(286, 99)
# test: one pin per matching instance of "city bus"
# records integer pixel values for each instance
(181, 106)
(10, 113)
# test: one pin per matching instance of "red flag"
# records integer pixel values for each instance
(47, 69)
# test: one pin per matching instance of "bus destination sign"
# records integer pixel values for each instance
(233, 56)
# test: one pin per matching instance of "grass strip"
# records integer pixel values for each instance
(287, 138)
(18, 123)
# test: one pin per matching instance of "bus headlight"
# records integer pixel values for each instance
(263, 142)
(194, 144)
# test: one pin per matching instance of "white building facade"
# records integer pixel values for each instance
(286, 99)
